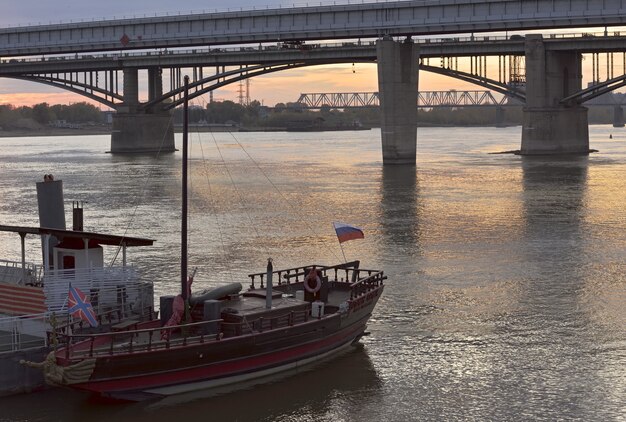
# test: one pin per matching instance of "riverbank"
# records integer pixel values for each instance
(53, 131)
(107, 130)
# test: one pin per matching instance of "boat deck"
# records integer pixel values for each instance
(240, 315)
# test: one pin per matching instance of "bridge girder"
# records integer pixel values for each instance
(109, 95)
(63, 72)
(367, 19)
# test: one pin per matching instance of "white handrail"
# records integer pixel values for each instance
(108, 287)
(23, 332)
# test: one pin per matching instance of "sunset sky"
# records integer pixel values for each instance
(270, 89)
(279, 87)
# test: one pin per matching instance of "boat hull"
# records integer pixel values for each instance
(132, 376)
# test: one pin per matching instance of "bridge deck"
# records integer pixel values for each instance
(311, 23)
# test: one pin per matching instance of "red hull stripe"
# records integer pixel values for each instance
(224, 369)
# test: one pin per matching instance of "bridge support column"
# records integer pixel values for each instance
(618, 116)
(397, 87)
(136, 130)
(550, 127)
(141, 132)
(155, 83)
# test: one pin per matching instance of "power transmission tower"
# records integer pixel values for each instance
(241, 96)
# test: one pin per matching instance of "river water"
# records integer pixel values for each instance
(506, 297)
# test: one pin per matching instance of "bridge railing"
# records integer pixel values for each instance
(291, 47)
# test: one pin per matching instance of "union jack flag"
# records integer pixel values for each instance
(78, 306)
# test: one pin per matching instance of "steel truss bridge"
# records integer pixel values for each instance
(425, 99)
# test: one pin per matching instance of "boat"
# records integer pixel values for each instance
(318, 125)
(283, 319)
(32, 294)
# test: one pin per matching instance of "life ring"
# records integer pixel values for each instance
(312, 277)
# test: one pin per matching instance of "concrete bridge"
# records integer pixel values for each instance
(554, 120)
(337, 21)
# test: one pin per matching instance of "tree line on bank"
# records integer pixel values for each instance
(293, 114)
(254, 115)
(42, 114)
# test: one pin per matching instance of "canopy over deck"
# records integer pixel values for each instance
(100, 238)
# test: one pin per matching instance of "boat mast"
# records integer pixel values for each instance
(183, 231)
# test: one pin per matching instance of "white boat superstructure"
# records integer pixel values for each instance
(34, 296)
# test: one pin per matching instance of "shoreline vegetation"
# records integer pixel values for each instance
(86, 119)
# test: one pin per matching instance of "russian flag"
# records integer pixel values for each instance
(347, 232)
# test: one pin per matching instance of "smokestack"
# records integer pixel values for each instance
(51, 209)
(77, 216)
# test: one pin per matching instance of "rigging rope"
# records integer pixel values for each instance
(143, 188)
(213, 207)
(241, 201)
(299, 213)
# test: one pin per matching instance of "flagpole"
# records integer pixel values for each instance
(343, 253)
(69, 317)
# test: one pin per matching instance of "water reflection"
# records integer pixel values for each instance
(554, 206)
(554, 195)
(556, 257)
(338, 389)
(506, 296)
(400, 210)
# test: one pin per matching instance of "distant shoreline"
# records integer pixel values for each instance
(107, 131)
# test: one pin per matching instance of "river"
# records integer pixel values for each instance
(506, 296)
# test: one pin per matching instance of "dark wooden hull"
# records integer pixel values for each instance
(202, 365)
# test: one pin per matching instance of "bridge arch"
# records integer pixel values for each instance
(111, 98)
(200, 87)
(76, 87)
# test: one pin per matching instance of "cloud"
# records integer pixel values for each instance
(26, 12)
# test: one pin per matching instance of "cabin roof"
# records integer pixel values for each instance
(100, 238)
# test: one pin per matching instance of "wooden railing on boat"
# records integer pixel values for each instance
(110, 317)
(367, 284)
(360, 282)
(353, 274)
(139, 340)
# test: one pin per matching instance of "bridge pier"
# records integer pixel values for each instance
(550, 127)
(397, 87)
(136, 130)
